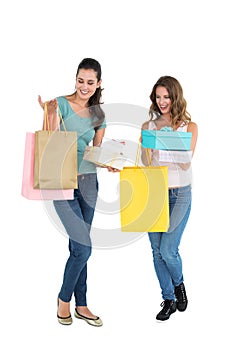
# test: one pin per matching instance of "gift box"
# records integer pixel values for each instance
(110, 154)
(166, 140)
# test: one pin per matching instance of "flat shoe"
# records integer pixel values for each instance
(64, 320)
(92, 321)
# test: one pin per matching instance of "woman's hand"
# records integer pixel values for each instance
(51, 105)
(41, 103)
(112, 170)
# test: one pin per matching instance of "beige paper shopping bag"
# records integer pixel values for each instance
(55, 161)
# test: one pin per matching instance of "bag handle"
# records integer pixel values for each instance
(138, 154)
(46, 118)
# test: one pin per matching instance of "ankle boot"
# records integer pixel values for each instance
(181, 297)
(169, 306)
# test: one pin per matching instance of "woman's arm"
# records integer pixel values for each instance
(99, 134)
(146, 152)
(192, 127)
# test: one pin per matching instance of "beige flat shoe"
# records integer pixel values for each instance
(97, 322)
(64, 320)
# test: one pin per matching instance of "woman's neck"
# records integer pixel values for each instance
(167, 117)
(75, 99)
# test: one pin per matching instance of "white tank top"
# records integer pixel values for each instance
(177, 177)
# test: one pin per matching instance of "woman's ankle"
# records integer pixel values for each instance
(63, 308)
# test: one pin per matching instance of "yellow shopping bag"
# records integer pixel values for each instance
(144, 203)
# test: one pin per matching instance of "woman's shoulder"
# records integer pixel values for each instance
(62, 99)
(192, 126)
(63, 105)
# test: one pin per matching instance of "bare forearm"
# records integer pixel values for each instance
(146, 156)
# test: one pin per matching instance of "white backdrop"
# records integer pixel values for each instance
(42, 43)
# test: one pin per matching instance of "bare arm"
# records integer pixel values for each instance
(146, 152)
(192, 127)
(99, 134)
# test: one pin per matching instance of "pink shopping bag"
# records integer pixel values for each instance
(27, 190)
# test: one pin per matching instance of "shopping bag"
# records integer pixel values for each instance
(144, 205)
(55, 162)
(27, 189)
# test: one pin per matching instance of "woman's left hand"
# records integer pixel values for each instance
(52, 105)
(112, 170)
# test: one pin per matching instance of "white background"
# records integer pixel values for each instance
(136, 42)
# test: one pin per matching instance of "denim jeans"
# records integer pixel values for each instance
(76, 216)
(165, 245)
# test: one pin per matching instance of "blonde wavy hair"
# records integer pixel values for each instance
(178, 112)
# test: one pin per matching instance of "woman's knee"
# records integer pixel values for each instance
(83, 252)
(168, 254)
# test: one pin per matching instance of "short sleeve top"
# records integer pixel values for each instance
(85, 129)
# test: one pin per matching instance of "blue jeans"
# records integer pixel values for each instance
(76, 216)
(165, 245)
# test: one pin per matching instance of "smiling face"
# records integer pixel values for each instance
(86, 83)
(163, 101)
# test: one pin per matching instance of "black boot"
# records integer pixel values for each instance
(169, 306)
(181, 297)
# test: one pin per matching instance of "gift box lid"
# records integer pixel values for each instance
(167, 140)
(161, 133)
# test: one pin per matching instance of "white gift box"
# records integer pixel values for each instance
(175, 156)
(111, 153)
